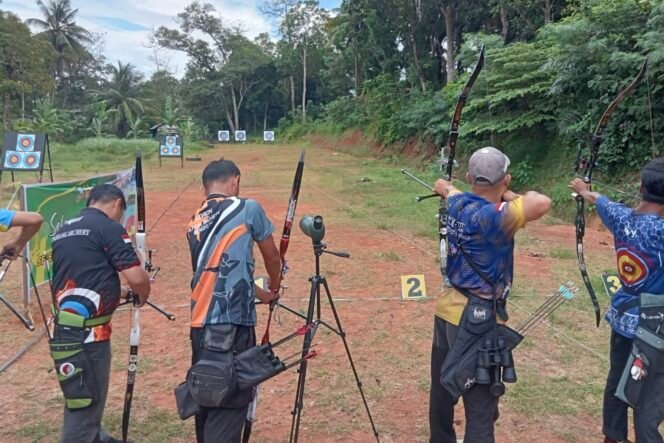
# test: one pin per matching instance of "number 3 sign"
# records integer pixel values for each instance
(611, 283)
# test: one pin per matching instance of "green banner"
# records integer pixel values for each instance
(58, 202)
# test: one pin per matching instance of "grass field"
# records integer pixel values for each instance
(370, 211)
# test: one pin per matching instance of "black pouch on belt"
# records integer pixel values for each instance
(457, 374)
(212, 379)
(647, 356)
(187, 407)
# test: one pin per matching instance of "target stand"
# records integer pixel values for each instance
(25, 152)
(240, 136)
(224, 136)
(171, 146)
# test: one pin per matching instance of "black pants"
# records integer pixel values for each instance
(648, 416)
(224, 424)
(480, 406)
(84, 425)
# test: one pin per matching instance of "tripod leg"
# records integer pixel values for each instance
(26, 322)
(342, 334)
(302, 371)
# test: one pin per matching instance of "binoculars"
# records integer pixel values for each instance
(495, 357)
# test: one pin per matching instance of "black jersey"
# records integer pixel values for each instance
(88, 253)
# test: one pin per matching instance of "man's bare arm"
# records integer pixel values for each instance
(138, 280)
(583, 189)
(444, 188)
(29, 222)
(272, 261)
(535, 205)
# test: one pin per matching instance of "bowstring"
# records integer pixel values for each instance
(11, 200)
(488, 99)
(170, 205)
(653, 148)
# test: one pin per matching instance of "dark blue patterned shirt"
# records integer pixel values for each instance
(639, 243)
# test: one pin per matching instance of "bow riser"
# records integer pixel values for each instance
(290, 214)
(283, 247)
(588, 168)
(449, 162)
(135, 334)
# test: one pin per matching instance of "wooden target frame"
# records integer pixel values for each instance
(25, 152)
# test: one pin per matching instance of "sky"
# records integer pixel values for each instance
(126, 24)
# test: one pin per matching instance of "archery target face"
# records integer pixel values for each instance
(171, 146)
(22, 160)
(240, 136)
(23, 152)
(223, 136)
(25, 142)
(13, 160)
(268, 136)
(31, 160)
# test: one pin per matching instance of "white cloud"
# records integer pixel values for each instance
(132, 45)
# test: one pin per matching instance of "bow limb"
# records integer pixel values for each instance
(598, 136)
(285, 236)
(588, 168)
(283, 248)
(449, 162)
(456, 118)
(135, 334)
(580, 232)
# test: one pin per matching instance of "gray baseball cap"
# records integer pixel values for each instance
(487, 166)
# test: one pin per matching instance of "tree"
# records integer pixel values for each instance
(278, 10)
(170, 113)
(232, 61)
(23, 65)
(47, 118)
(161, 84)
(122, 96)
(60, 29)
(305, 22)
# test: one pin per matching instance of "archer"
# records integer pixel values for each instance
(221, 237)
(635, 313)
(481, 226)
(89, 251)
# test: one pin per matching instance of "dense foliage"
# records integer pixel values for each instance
(390, 68)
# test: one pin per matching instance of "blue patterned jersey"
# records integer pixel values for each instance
(639, 243)
(6, 217)
(486, 232)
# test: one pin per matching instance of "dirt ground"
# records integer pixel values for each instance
(390, 339)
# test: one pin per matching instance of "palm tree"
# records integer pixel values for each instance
(60, 29)
(122, 97)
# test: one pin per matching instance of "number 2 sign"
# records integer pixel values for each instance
(413, 287)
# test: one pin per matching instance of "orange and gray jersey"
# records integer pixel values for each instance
(221, 238)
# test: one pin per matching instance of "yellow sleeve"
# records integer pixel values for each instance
(516, 216)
